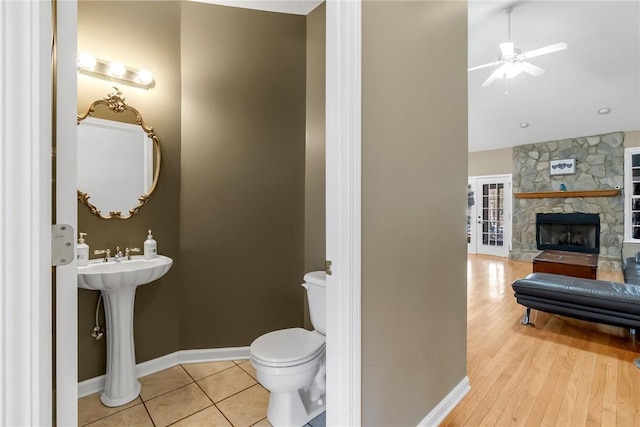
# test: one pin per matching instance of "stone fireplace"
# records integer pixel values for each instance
(574, 232)
(599, 165)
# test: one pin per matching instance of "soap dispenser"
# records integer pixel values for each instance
(83, 250)
(150, 247)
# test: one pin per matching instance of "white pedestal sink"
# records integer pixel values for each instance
(118, 281)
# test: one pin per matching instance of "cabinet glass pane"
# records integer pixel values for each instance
(635, 160)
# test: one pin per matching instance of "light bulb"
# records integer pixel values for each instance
(145, 77)
(86, 60)
(117, 69)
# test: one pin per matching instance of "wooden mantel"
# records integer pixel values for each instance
(565, 194)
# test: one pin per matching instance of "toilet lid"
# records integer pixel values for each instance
(287, 347)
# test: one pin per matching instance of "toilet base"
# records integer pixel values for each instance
(294, 409)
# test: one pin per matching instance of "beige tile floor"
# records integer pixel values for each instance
(224, 394)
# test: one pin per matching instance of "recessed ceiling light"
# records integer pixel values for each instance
(524, 125)
(604, 111)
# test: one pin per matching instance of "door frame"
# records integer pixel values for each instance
(474, 246)
(25, 214)
(66, 211)
(26, 390)
(343, 210)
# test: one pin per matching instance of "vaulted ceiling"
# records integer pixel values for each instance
(599, 69)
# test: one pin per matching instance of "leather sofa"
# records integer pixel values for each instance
(631, 269)
(611, 303)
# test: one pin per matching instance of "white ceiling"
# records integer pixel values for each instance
(293, 7)
(600, 68)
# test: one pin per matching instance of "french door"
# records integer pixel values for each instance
(489, 215)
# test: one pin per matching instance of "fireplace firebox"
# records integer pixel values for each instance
(574, 232)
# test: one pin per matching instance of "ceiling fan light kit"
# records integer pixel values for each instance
(512, 61)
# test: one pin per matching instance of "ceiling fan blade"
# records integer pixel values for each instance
(506, 49)
(491, 64)
(497, 73)
(545, 50)
(534, 70)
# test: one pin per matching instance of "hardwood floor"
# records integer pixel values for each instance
(561, 372)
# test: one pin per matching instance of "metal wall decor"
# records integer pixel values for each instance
(562, 167)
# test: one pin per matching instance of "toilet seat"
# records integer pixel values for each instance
(287, 347)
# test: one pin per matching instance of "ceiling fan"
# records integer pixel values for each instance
(512, 61)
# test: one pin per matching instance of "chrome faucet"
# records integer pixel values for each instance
(106, 252)
(118, 255)
(127, 252)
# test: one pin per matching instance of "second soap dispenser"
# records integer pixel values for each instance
(150, 247)
(83, 250)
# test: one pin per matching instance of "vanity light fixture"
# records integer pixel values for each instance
(114, 71)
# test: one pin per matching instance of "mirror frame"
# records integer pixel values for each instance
(116, 103)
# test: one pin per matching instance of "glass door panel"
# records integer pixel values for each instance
(493, 216)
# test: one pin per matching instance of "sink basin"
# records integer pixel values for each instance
(117, 281)
(112, 276)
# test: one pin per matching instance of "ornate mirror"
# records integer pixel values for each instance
(118, 158)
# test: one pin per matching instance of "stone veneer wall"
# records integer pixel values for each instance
(599, 166)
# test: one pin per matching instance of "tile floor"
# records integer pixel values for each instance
(224, 394)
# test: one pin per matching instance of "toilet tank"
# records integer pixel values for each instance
(315, 283)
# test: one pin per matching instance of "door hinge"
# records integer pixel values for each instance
(327, 267)
(62, 248)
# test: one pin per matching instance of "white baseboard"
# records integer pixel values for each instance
(446, 405)
(96, 385)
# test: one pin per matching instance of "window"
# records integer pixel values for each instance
(632, 194)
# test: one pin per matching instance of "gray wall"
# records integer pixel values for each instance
(243, 163)
(632, 138)
(496, 162)
(117, 31)
(414, 115)
(491, 162)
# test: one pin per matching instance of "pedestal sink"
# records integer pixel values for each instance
(117, 280)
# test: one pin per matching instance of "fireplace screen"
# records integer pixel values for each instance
(575, 232)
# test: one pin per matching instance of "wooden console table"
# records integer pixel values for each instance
(573, 264)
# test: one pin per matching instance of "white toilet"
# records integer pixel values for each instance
(290, 363)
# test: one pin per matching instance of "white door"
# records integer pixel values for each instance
(66, 366)
(471, 215)
(489, 220)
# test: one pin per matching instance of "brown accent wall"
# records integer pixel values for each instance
(229, 110)
(315, 232)
(243, 160)
(414, 180)
(314, 182)
(142, 36)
